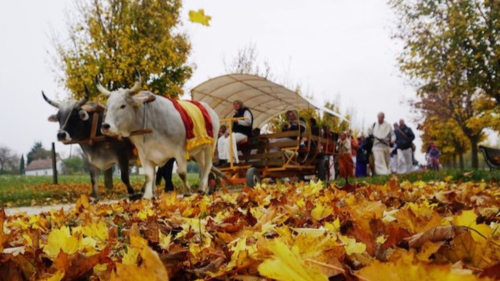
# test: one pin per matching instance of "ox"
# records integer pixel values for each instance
(75, 120)
(127, 110)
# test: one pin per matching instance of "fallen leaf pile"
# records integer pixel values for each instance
(397, 231)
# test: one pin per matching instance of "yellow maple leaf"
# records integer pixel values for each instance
(199, 17)
(351, 246)
(99, 231)
(126, 272)
(468, 218)
(404, 266)
(58, 276)
(321, 211)
(165, 240)
(286, 265)
(130, 257)
(241, 253)
(335, 226)
(61, 239)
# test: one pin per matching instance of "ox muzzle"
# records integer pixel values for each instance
(63, 136)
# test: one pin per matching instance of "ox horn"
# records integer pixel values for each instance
(101, 88)
(53, 103)
(137, 85)
(83, 100)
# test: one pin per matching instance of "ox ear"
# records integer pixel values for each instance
(53, 118)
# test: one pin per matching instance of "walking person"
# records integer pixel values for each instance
(362, 158)
(346, 167)
(383, 138)
(404, 139)
(354, 148)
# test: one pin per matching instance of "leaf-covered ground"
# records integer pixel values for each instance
(397, 231)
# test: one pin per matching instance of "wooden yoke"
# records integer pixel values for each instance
(93, 129)
(93, 132)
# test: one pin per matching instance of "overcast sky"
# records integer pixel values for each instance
(330, 47)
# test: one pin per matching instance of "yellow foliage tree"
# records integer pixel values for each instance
(112, 37)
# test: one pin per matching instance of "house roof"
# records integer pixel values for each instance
(39, 164)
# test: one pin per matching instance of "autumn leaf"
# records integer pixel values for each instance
(3, 237)
(468, 219)
(286, 265)
(61, 239)
(436, 234)
(404, 266)
(199, 17)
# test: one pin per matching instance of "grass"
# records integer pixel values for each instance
(427, 176)
(18, 190)
(39, 190)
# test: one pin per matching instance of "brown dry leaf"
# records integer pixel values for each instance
(3, 237)
(436, 234)
(491, 272)
(464, 248)
(10, 271)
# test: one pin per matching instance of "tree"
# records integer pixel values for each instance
(6, 157)
(246, 62)
(38, 152)
(444, 39)
(112, 37)
(448, 50)
(73, 165)
(22, 168)
(448, 137)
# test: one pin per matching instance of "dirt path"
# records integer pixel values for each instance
(37, 209)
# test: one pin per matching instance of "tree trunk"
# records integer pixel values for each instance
(108, 178)
(461, 160)
(474, 156)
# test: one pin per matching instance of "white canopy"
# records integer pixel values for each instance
(264, 98)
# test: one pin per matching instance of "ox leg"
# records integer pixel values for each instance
(167, 174)
(182, 171)
(124, 169)
(149, 170)
(94, 179)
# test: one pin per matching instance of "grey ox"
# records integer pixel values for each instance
(75, 120)
(127, 112)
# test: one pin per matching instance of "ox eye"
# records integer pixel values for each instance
(122, 107)
(84, 115)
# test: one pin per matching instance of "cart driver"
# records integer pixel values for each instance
(242, 131)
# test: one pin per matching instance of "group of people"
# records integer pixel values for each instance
(357, 157)
(363, 156)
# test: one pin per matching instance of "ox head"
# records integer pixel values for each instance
(73, 117)
(122, 108)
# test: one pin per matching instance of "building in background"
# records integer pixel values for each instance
(43, 167)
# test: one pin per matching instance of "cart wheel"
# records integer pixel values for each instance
(212, 183)
(322, 169)
(253, 177)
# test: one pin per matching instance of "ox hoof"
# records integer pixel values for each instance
(135, 197)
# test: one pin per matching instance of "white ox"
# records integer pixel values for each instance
(127, 112)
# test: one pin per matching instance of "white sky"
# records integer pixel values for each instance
(330, 47)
